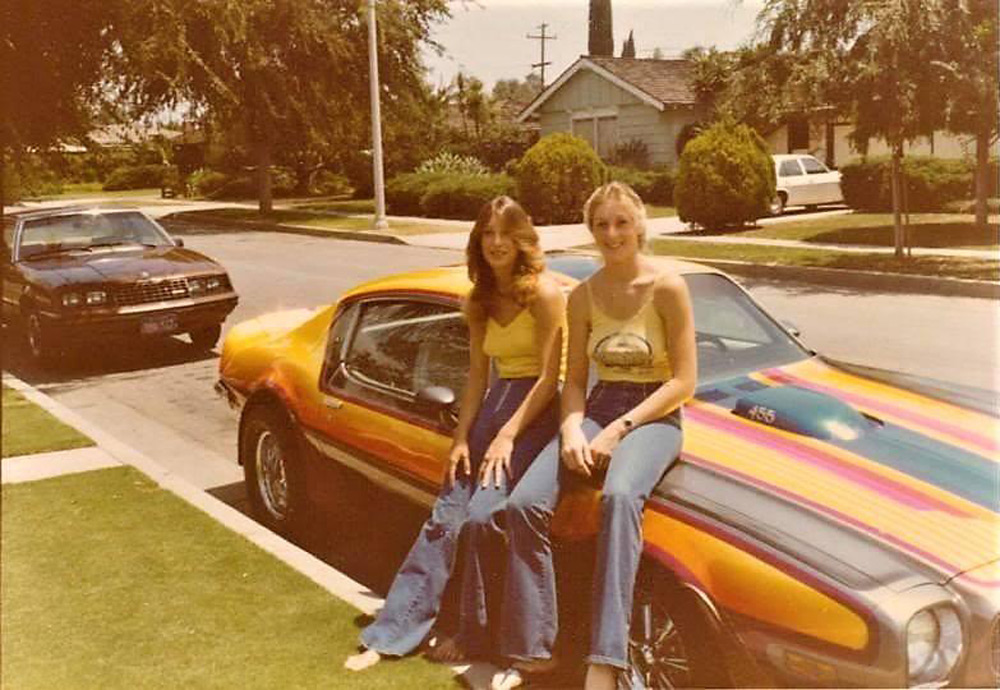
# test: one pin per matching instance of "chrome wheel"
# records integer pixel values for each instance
(656, 648)
(272, 480)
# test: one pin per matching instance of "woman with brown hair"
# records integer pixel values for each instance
(515, 314)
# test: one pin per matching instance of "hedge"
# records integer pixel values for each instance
(556, 176)
(932, 184)
(654, 186)
(135, 177)
(725, 177)
(444, 195)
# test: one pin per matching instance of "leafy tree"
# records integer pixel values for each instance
(291, 75)
(601, 39)
(970, 66)
(870, 59)
(516, 94)
(628, 46)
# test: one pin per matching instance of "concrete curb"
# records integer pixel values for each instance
(869, 280)
(289, 229)
(333, 581)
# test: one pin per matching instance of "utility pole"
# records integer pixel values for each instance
(379, 222)
(543, 38)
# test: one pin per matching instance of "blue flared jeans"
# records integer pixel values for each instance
(530, 615)
(414, 599)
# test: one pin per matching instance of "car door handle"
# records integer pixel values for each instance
(332, 403)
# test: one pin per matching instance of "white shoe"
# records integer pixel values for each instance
(507, 679)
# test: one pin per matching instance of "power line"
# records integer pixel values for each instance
(543, 37)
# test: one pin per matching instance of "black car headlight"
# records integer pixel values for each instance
(196, 286)
(933, 645)
(71, 299)
(214, 283)
(96, 298)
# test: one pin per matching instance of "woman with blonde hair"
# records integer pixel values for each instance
(633, 320)
(515, 314)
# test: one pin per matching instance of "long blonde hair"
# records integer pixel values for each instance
(618, 191)
(505, 215)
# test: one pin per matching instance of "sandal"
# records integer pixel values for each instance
(507, 679)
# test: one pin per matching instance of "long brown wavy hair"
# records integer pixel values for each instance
(507, 216)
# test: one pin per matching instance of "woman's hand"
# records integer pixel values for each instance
(604, 445)
(575, 450)
(458, 456)
(496, 462)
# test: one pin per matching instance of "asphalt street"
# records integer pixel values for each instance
(159, 398)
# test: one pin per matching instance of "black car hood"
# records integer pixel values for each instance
(125, 264)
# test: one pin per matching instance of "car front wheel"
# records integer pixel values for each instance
(206, 338)
(272, 469)
(778, 204)
(38, 342)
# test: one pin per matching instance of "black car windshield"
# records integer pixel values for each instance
(88, 230)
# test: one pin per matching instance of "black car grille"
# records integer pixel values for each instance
(151, 291)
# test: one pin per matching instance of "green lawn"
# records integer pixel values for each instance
(876, 229)
(980, 269)
(315, 220)
(349, 206)
(653, 211)
(83, 190)
(28, 429)
(109, 581)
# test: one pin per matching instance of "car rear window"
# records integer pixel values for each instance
(813, 166)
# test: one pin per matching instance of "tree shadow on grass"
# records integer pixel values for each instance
(922, 235)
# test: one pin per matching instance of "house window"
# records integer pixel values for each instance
(600, 132)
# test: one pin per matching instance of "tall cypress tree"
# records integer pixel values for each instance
(602, 40)
(628, 47)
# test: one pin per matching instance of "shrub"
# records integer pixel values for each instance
(461, 196)
(442, 195)
(327, 183)
(633, 153)
(217, 185)
(10, 186)
(207, 182)
(446, 162)
(135, 177)
(725, 177)
(932, 184)
(555, 177)
(654, 186)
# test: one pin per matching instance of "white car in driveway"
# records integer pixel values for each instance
(802, 180)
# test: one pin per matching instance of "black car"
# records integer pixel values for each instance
(72, 276)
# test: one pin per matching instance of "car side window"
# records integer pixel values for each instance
(399, 347)
(813, 166)
(789, 168)
(336, 345)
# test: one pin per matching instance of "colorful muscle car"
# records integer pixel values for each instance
(821, 528)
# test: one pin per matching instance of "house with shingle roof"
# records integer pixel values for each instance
(611, 101)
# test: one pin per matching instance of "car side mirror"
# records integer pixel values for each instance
(179, 241)
(440, 400)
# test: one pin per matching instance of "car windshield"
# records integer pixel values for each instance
(734, 336)
(88, 230)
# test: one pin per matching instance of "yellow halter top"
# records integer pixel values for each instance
(512, 347)
(633, 349)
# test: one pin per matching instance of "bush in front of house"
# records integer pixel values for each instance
(206, 182)
(654, 186)
(452, 163)
(932, 184)
(135, 177)
(556, 176)
(444, 195)
(329, 183)
(725, 177)
(218, 185)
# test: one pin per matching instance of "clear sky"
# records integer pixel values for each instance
(486, 38)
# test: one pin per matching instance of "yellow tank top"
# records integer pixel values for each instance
(512, 347)
(633, 349)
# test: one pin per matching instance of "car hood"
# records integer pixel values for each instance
(917, 477)
(125, 264)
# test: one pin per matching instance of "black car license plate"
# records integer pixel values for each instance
(161, 323)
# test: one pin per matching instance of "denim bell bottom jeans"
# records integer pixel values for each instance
(414, 599)
(530, 614)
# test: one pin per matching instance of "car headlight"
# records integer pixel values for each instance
(96, 297)
(71, 299)
(196, 285)
(933, 645)
(214, 283)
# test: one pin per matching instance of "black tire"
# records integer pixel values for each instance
(38, 344)
(206, 338)
(670, 646)
(271, 451)
(778, 204)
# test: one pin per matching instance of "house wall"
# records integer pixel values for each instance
(941, 144)
(587, 95)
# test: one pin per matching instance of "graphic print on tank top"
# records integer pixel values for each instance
(623, 350)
